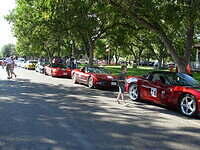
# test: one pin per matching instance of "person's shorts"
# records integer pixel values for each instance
(11, 69)
(8, 67)
(121, 89)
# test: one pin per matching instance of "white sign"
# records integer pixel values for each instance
(154, 92)
(113, 83)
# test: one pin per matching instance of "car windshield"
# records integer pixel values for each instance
(59, 65)
(180, 79)
(32, 61)
(98, 70)
(43, 63)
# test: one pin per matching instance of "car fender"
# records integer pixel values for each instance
(131, 80)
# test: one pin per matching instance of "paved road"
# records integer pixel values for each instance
(39, 112)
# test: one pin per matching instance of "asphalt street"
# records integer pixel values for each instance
(38, 112)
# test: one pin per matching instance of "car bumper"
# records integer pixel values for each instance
(198, 107)
(106, 83)
(59, 73)
(30, 67)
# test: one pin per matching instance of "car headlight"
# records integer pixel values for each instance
(109, 77)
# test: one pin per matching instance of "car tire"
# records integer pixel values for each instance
(90, 82)
(52, 74)
(188, 105)
(45, 72)
(74, 78)
(133, 92)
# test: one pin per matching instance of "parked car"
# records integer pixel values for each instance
(177, 90)
(30, 64)
(1, 61)
(82, 61)
(57, 70)
(39, 67)
(94, 77)
(20, 62)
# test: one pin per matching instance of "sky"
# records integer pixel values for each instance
(5, 29)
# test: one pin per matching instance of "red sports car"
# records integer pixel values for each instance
(177, 90)
(57, 70)
(94, 77)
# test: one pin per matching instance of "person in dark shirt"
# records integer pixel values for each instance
(121, 83)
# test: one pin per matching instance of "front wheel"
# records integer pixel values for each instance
(74, 78)
(133, 92)
(45, 72)
(188, 105)
(90, 83)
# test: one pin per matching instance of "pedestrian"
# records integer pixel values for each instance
(12, 68)
(8, 64)
(121, 83)
(189, 70)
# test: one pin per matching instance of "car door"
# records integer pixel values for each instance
(86, 75)
(81, 75)
(152, 89)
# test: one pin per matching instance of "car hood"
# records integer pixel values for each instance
(105, 76)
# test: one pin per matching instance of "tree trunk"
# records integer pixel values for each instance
(116, 59)
(91, 52)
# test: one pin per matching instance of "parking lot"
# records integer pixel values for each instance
(39, 112)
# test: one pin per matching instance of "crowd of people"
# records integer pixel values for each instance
(70, 62)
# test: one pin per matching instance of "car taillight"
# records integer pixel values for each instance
(56, 69)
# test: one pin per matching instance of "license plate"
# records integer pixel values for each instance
(113, 83)
(65, 73)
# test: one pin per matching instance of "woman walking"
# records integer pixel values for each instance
(121, 84)
(12, 68)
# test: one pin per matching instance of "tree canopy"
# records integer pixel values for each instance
(8, 50)
(131, 27)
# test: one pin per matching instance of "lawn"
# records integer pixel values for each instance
(140, 71)
(131, 71)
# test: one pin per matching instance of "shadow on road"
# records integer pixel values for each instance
(48, 117)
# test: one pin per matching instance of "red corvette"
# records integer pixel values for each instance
(94, 77)
(177, 90)
(57, 70)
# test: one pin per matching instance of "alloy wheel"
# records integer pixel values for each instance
(74, 78)
(133, 92)
(90, 82)
(188, 105)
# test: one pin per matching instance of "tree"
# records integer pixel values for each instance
(37, 27)
(174, 22)
(8, 50)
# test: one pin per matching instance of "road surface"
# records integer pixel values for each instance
(39, 112)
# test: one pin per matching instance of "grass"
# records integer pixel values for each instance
(131, 71)
(140, 71)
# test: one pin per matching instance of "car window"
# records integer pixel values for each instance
(97, 70)
(32, 61)
(59, 65)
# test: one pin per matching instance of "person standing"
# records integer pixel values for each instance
(12, 68)
(121, 83)
(8, 64)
